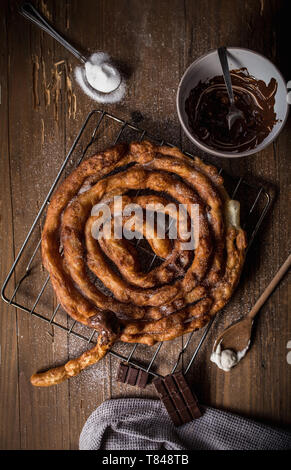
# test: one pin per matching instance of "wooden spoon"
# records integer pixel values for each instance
(237, 336)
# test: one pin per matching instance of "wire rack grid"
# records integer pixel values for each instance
(98, 127)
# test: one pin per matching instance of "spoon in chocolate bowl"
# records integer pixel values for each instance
(234, 113)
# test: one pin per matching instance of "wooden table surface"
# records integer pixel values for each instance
(42, 109)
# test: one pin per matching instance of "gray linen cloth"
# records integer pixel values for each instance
(143, 424)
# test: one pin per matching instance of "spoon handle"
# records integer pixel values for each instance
(267, 292)
(222, 54)
(31, 13)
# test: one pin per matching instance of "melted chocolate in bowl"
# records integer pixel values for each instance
(208, 105)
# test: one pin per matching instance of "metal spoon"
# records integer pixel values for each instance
(237, 336)
(234, 113)
(31, 13)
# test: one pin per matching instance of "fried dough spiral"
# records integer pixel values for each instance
(176, 297)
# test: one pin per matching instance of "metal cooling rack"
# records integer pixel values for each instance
(28, 259)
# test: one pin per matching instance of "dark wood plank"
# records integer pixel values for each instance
(9, 391)
(33, 161)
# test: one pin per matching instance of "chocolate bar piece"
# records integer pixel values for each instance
(168, 403)
(178, 399)
(131, 375)
(188, 395)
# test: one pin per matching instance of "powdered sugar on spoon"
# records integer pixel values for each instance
(100, 80)
(98, 77)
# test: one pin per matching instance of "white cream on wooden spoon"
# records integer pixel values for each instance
(232, 345)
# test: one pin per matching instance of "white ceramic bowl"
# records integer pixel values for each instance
(208, 66)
